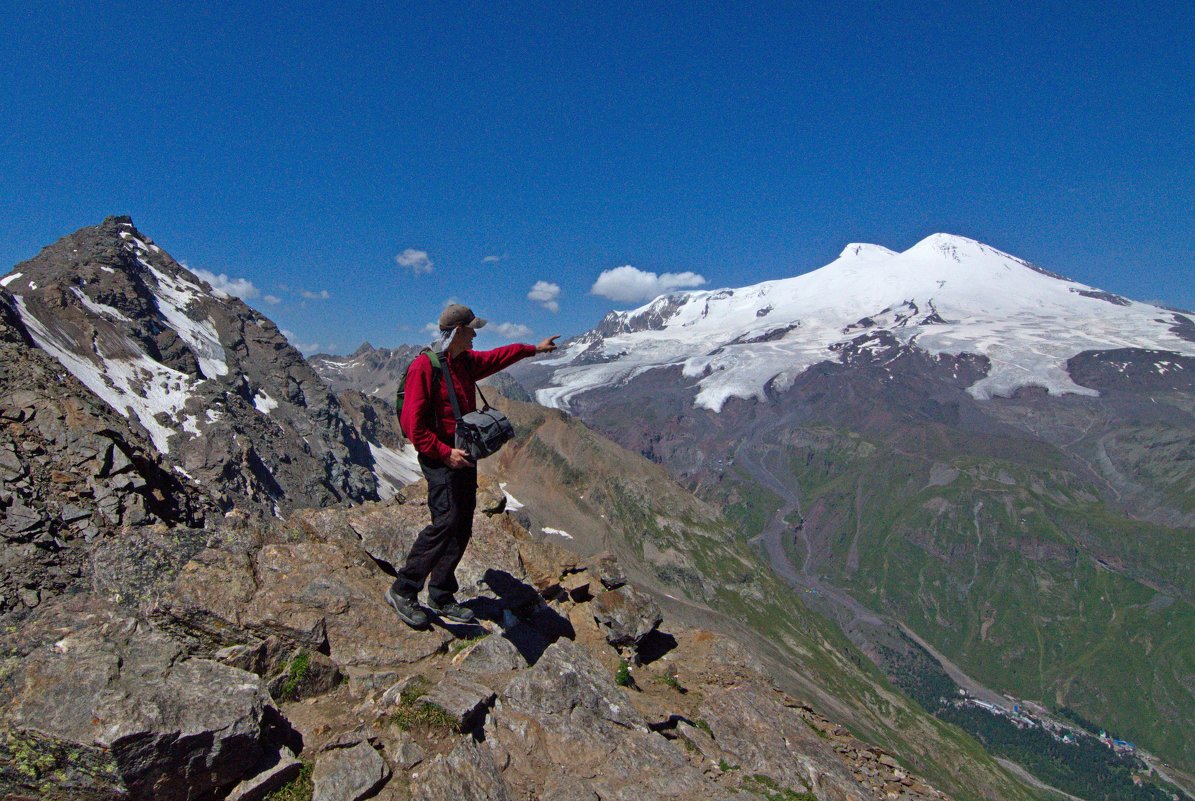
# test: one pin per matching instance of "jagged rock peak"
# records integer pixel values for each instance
(215, 384)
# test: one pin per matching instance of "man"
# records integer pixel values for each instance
(428, 421)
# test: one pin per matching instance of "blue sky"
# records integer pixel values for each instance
(502, 145)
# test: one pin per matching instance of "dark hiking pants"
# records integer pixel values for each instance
(451, 497)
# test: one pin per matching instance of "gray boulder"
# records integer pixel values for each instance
(465, 700)
(493, 653)
(466, 773)
(349, 774)
(113, 710)
(626, 615)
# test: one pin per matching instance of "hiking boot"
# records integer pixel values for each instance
(452, 611)
(407, 610)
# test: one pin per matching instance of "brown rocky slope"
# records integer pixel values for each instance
(274, 640)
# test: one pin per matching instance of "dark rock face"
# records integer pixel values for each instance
(1184, 327)
(1107, 297)
(1133, 370)
(217, 388)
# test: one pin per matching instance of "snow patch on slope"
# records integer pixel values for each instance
(101, 309)
(394, 468)
(143, 386)
(263, 402)
(173, 297)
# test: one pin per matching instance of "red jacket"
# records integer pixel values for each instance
(429, 421)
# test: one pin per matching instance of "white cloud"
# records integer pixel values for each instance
(492, 259)
(629, 283)
(511, 330)
(238, 287)
(323, 294)
(546, 294)
(416, 261)
(313, 347)
(273, 300)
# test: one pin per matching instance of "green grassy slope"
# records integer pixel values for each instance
(581, 481)
(1016, 571)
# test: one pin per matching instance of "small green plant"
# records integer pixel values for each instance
(413, 713)
(816, 730)
(300, 788)
(296, 674)
(622, 676)
(726, 767)
(30, 759)
(770, 789)
(459, 645)
(704, 725)
(668, 680)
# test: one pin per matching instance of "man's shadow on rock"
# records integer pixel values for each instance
(527, 622)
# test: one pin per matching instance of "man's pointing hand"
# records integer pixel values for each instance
(548, 345)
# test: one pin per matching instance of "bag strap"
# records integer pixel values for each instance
(485, 404)
(456, 406)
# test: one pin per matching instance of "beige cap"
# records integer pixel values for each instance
(457, 315)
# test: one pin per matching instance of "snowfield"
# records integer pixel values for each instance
(141, 385)
(946, 294)
(394, 468)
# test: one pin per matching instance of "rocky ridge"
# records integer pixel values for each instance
(214, 385)
(273, 640)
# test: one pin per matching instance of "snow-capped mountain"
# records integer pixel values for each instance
(213, 384)
(946, 295)
(949, 437)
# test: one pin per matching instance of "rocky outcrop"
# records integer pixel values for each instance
(113, 710)
(100, 703)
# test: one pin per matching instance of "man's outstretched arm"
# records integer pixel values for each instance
(488, 362)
